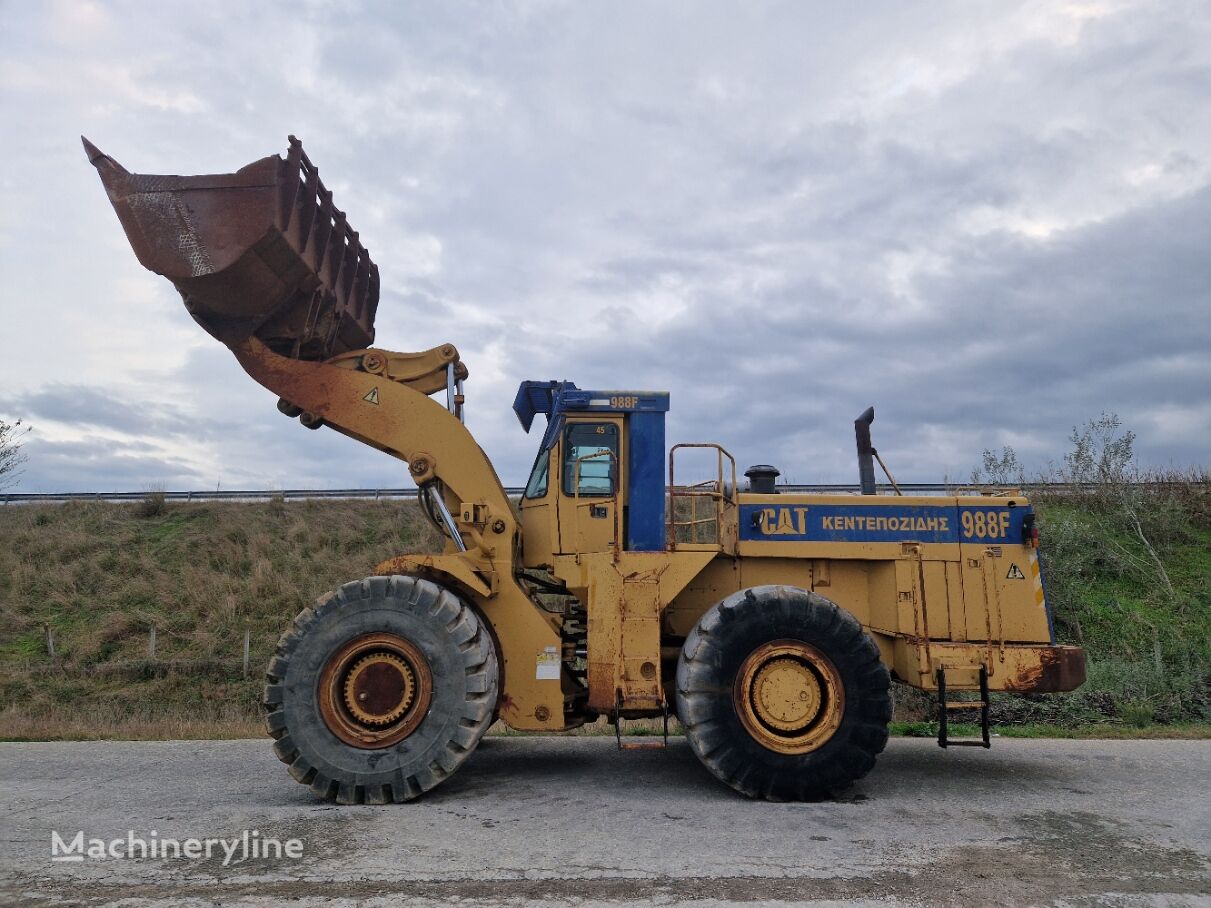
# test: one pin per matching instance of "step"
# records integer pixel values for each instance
(658, 744)
(946, 706)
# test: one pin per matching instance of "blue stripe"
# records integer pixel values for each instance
(875, 522)
(645, 492)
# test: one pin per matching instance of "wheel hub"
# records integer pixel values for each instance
(789, 696)
(379, 689)
(374, 691)
(786, 695)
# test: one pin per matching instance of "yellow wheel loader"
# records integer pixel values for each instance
(771, 625)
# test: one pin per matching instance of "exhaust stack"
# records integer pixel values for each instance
(866, 452)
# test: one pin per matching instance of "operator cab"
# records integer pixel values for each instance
(598, 479)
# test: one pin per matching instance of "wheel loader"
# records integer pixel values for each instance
(771, 625)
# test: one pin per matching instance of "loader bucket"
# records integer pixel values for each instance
(260, 252)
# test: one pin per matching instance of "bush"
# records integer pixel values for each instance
(154, 504)
(1126, 557)
(1137, 713)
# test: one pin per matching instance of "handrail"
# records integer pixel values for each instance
(721, 493)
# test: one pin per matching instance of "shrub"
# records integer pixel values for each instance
(153, 504)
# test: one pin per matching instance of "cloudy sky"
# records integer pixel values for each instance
(990, 220)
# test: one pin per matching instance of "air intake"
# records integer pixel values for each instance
(761, 479)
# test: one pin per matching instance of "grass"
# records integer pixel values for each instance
(117, 724)
(1128, 575)
(99, 576)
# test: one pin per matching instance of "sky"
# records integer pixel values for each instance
(990, 220)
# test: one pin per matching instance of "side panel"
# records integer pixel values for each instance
(645, 482)
(1002, 591)
(937, 599)
(939, 569)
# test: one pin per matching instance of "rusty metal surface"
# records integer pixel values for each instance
(372, 711)
(1057, 669)
(260, 252)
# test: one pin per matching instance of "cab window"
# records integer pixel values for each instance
(537, 486)
(598, 474)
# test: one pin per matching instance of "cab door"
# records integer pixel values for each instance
(539, 508)
(591, 489)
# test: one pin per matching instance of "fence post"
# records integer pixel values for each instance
(245, 652)
(151, 643)
(50, 643)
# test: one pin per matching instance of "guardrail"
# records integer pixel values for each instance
(909, 488)
(217, 495)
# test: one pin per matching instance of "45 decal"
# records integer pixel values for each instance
(977, 525)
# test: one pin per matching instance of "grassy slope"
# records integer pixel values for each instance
(99, 575)
(1149, 649)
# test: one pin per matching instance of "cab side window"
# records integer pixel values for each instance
(537, 486)
(595, 447)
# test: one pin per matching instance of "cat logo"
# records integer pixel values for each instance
(781, 521)
(372, 397)
(1015, 573)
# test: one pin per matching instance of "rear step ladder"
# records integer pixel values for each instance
(945, 706)
(645, 742)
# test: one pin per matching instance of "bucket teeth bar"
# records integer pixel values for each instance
(261, 252)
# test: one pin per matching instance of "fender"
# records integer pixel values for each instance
(449, 570)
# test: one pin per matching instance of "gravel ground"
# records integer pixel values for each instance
(572, 820)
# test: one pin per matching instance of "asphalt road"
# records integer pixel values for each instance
(562, 820)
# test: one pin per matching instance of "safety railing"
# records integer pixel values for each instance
(702, 505)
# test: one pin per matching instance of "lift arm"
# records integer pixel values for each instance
(398, 417)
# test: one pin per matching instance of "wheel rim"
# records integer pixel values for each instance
(375, 690)
(789, 696)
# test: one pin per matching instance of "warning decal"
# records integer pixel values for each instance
(548, 665)
(372, 397)
(1015, 573)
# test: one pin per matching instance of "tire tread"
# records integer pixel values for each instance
(468, 637)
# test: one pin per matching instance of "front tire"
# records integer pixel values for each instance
(381, 691)
(783, 695)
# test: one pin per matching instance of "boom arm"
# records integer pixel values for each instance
(359, 396)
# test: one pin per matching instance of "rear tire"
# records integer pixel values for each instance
(381, 691)
(783, 695)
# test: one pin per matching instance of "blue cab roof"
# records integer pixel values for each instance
(555, 397)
